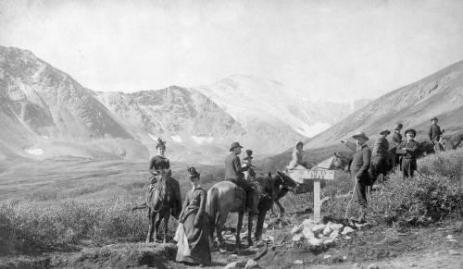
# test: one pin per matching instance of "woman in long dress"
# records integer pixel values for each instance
(193, 218)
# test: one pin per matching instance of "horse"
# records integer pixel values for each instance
(226, 197)
(450, 142)
(163, 200)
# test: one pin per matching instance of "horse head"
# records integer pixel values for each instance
(340, 162)
(285, 181)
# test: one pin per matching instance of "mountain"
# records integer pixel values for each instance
(46, 112)
(440, 94)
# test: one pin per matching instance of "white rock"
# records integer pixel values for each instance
(308, 223)
(265, 225)
(307, 232)
(327, 230)
(336, 226)
(373, 266)
(326, 256)
(232, 265)
(334, 234)
(297, 229)
(347, 230)
(318, 228)
(315, 241)
(298, 262)
(328, 241)
(450, 238)
(251, 264)
(347, 237)
(232, 257)
(297, 237)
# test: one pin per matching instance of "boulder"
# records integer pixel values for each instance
(251, 264)
(327, 231)
(335, 226)
(297, 237)
(347, 230)
(307, 232)
(298, 262)
(334, 234)
(315, 241)
(297, 229)
(318, 228)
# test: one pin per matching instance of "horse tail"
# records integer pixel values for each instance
(212, 207)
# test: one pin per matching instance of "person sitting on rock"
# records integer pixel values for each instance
(297, 157)
(234, 173)
(159, 164)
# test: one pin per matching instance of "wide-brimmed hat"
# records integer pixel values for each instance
(385, 132)
(249, 155)
(412, 131)
(235, 145)
(360, 135)
(435, 118)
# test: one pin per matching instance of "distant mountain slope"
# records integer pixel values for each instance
(440, 94)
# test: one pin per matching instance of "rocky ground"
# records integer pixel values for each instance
(296, 242)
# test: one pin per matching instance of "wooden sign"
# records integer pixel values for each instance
(315, 175)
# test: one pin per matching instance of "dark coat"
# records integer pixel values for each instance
(361, 163)
(233, 169)
(396, 139)
(381, 147)
(434, 132)
(159, 163)
(408, 150)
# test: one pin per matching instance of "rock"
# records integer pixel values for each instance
(298, 262)
(373, 266)
(315, 241)
(356, 266)
(328, 241)
(334, 234)
(347, 237)
(308, 223)
(326, 256)
(297, 237)
(232, 265)
(335, 226)
(265, 226)
(318, 228)
(233, 257)
(307, 232)
(454, 252)
(327, 230)
(297, 229)
(251, 264)
(347, 230)
(450, 238)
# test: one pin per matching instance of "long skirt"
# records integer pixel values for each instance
(198, 251)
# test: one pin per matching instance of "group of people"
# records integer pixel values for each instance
(192, 232)
(368, 164)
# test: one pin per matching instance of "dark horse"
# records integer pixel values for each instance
(163, 200)
(225, 197)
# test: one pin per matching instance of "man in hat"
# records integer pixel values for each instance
(395, 142)
(159, 164)
(361, 176)
(407, 150)
(435, 134)
(250, 174)
(380, 156)
(297, 155)
(234, 173)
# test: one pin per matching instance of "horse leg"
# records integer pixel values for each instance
(282, 210)
(220, 223)
(158, 222)
(250, 218)
(260, 225)
(238, 229)
(166, 225)
(151, 216)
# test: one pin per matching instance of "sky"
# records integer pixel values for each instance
(320, 50)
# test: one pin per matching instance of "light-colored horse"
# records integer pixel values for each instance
(226, 197)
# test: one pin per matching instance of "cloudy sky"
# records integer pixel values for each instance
(336, 50)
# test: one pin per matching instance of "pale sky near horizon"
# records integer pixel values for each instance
(336, 50)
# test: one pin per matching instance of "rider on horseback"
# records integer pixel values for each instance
(234, 173)
(159, 164)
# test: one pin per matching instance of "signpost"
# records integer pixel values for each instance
(316, 174)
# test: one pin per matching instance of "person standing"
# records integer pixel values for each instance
(395, 142)
(435, 134)
(234, 173)
(407, 150)
(380, 161)
(360, 174)
(297, 157)
(194, 222)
